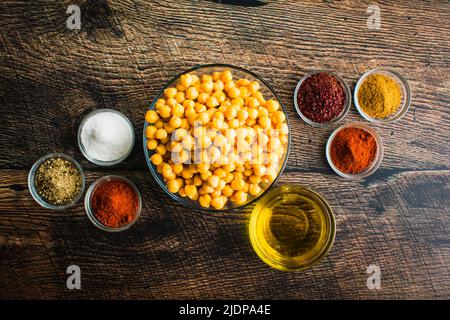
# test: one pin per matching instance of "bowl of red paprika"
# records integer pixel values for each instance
(354, 151)
(113, 203)
(322, 98)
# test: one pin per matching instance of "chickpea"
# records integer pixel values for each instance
(156, 159)
(233, 92)
(182, 192)
(187, 174)
(253, 86)
(200, 108)
(170, 92)
(264, 122)
(150, 132)
(171, 102)
(166, 170)
(218, 203)
(180, 96)
(197, 180)
(207, 86)
(151, 116)
(216, 75)
(227, 191)
(213, 181)
(161, 134)
(161, 149)
(207, 78)
(272, 105)
(175, 122)
(164, 111)
(202, 97)
(178, 110)
(240, 197)
(192, 93)
(173, 186)
(152, 144)
(191, 192)
(205, 200)
(218, 85)
(231, 112)
(254, 189)
(237, 184)
(177, 168)
(217, 124)
(159, 103)
(188, 142)
(212, 102)
(254, 179)
(229, 85)
(259, 170)
(252, 113)
(226, 76)
(186, 80)
(252, 102)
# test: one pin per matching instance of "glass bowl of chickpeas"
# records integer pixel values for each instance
(216, 137)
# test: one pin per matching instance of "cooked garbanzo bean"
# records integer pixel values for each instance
(239, 153)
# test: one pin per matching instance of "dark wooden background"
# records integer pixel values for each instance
(50, 77)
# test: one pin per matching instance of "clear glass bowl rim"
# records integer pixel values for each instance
(328, 213)
(375, 164)
(35, 194)
(347, 104)
(402, 110)
(155, 174)
(84, 152)
(91, 215)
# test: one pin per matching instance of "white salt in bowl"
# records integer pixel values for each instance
(97, 138)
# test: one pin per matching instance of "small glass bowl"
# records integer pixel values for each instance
(91, 214)
(404, 87)
(96, 161)
(289, 201)
(375, 163)
(32, 176)
(347, 102)
(238, 72)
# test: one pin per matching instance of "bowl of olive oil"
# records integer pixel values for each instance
(292, 228)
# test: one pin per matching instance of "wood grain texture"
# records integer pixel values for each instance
(51, 77)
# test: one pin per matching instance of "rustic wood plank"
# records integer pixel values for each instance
(65, 74)
(51, 77)
(174, 252)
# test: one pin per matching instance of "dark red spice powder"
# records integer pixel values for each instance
(114, 203)
(321, 97)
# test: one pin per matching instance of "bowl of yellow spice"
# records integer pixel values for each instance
(382, 95)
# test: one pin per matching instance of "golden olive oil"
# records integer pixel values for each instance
(292, 228)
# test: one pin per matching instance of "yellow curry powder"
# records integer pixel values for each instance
(379, 96)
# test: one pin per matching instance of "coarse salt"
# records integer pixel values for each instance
(106, 136)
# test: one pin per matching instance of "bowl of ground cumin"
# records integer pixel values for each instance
(382, 95)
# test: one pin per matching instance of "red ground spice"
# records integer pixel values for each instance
(321, 97)
(353, 150)
(114, 203)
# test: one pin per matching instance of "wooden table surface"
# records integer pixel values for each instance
(50, 77)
